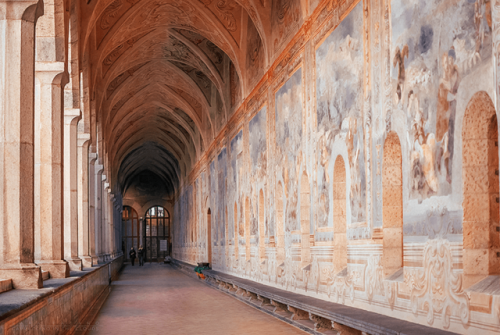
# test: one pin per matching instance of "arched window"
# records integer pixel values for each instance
(280, 223)
(305, 205)
(209, 236)
(339, 216)
(130, 229)
(156, 234)
(247, 228)
(262, 228)
(392, 188)
(236, 238)
(480, 190)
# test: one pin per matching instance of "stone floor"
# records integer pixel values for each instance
(158, 299)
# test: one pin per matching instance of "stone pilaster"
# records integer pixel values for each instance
(18, 19)
(83, 199)
(51, 80)
(92, 207)
(104, 220)
(71, 228)
(98, 211)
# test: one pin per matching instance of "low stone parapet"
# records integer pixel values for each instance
(60, 306)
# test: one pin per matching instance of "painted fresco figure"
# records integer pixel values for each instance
(325, 181)
(353, 154)
(446, 109)
(399, 61)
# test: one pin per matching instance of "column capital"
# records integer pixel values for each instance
(92, 158)
(83, 138)
(29, 10)
(51, 72)
(72, 115)
(99, 168)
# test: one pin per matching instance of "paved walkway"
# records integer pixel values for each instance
(158, 299)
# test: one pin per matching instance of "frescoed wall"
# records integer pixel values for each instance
(289, 104)
(401, 94)
(435, 50)
(258, 162)
(339, 101)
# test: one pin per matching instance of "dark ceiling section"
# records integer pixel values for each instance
(153, 159)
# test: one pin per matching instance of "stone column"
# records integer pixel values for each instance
(83, 199)
(104, 220)
(92, 207)
(116, 215)
(52, 78)
(17, 35)
(98, 211)
(71, 229)
(112, 214)
(107, 209)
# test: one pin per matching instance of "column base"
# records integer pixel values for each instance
(86, 261)
(95, 259)
(101, 258)
(24, 275)
(75, 264)
(57, 269)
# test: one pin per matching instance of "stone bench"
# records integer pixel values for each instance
(5, 285)
(312, 314)
(63, 304)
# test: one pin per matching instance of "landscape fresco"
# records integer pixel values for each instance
(339, 101)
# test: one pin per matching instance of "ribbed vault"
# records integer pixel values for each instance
(167, 75)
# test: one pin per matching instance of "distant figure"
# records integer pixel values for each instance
(132, 255)
(141, 255)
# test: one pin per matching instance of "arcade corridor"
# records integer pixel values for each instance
(158, 299)
(335, 161)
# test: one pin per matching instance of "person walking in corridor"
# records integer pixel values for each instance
(140, 252)
(132, 255)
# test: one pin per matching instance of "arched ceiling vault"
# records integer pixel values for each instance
(165, 75)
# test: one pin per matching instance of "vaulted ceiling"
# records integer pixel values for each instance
(165, 75)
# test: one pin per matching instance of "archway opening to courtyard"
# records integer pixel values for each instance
(209, 236)
(130, 230)
(156, 234)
